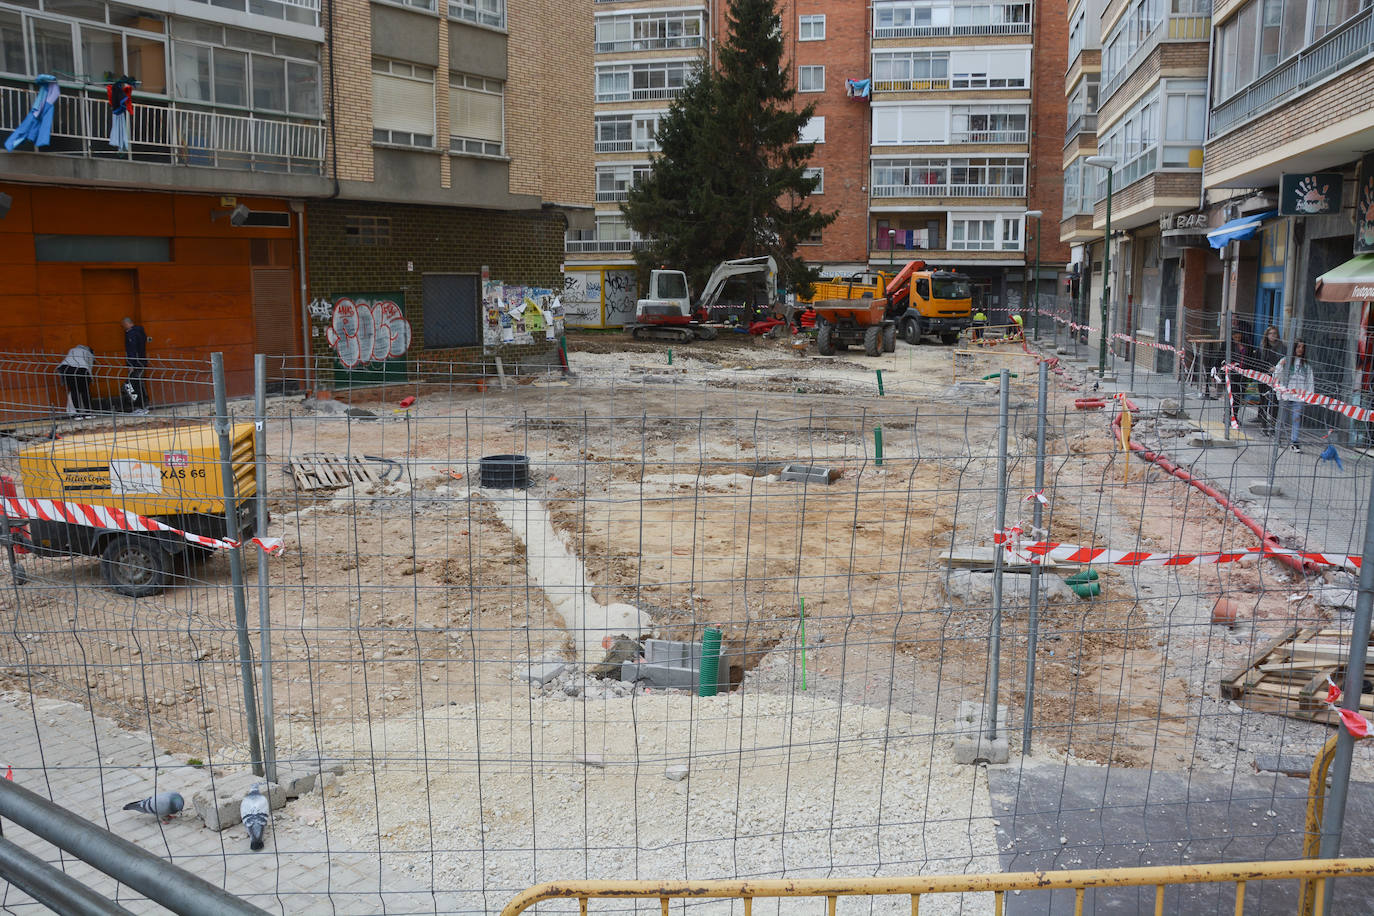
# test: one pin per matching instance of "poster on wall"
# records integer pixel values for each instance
(516, 314)
(1364, 206)
(1310, 193)
(582, 298)
(368, 334)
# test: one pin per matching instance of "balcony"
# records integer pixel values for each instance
(1336, 51)
(1003, 19)
(930, 85)
(1081, 123)
(604, 246)
(627, 146)
(608, 197)
(640, 95)
(949, 190)
(1175, 27)
(172, 133)
(686, 42)
(989, 136)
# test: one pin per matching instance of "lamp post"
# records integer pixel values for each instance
(1108, 163)
(1035, 278)
(891, 248)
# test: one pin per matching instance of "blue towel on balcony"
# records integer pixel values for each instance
(37, 124)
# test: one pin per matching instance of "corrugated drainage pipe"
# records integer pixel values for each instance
(1266, 539)
(709, 673)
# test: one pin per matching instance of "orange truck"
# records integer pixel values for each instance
(920, 300)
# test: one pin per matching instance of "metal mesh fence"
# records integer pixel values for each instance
(507, 677)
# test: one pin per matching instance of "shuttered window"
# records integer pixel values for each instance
(402, 103)
(476, 115)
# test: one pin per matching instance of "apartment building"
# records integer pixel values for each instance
(1082, 81)
(927, 142)
(1287, 168)
(279, 156)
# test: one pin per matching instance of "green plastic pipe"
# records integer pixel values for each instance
(878, 446)
(670, 356)
(880, 381)
(710, 662)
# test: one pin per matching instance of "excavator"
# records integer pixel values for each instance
(736, 292)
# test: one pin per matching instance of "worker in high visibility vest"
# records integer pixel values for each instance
(980, 321)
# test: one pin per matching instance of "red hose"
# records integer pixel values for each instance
(1267, 540)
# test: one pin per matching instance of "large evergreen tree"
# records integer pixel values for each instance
(729, 180)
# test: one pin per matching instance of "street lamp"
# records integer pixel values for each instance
(891, 248)
(1035, 282)
(1108, 163)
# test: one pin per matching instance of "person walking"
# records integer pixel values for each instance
(75, 372)
(980, 321)
(1235, 382)
(1267, 355)
(1294, 377)
(136, 357)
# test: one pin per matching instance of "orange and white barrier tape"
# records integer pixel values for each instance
(1073, 554)
(51, 510)
(1356, 724)
(1365, 414)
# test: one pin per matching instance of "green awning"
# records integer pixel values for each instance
(1353, 281)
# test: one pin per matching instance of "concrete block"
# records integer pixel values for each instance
(295, 783)
(1207, 440)
(1288, 765)
(1260, 488)
(805, 473)
(676, 772)
(671, 664)
(981, 749)
(220, 809)
(973, 716)
(540, 673)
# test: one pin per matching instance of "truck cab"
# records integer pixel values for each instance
(669, 300)
(940, 304)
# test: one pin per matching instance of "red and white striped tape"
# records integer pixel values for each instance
(1365, 414)
(52, 510)
(1073, 554)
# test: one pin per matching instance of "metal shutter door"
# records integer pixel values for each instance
(402, 104)
(274, 313)
(451, 309)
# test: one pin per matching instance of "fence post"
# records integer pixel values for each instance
(269, 727)
(1334, 818)
(226, 464)
(995, 634)
(1037, 508)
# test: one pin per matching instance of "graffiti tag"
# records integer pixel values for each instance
(365, 332)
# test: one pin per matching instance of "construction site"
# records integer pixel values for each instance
(695, 611)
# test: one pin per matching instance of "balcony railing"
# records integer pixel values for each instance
(1081, 123)
(604, 197)
(949, 190)
(649, 44)
(910, 85)
(637, 95)
(1015, 20)
(988, 136)
(1174, 27)
(604, 246)
(627, 146)
(1348, 45)
(882, 247)
(172, 134)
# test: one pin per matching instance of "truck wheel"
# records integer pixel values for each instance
(890, 339)
(135, 566)
(949, 338)
(873, 341)
(825, 340)
(911, 332)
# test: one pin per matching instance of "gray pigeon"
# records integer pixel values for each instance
(254, 810)
(164, 804)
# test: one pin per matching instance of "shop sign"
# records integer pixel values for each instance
(1310, 193)
(1364, 207)
(1183, 223)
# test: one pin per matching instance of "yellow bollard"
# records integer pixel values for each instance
(1126, 443)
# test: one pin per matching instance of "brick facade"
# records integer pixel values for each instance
(1170, 59)
(1176, 190)
(1044, 171)
(346, 60)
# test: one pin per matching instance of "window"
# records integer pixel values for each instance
(989, 69)
(269, 83)
(367, 230)
(107, 248)
(811, 28)
(811, 79)
(622, 133)
(910, 124)
(989, 124)
(815, 238)
(53, 51)
(419, 4)
(658, 80)
(402, 103)
(613, 182)
(1331, 13)
(655, 31)
(813, 131)
(1077, 30)
(924, 18)
(476, 121)
(984, 232)
(1135, 27)
(911, 70)
(255, 71)
(940, 177)
(1266, 33)
(12, 57)
(1135, 140)
(819, 175)
(482, 12)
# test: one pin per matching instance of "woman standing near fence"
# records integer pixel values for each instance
(1267, 356)
(1294, 377)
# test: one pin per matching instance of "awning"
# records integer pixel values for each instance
(1353, 281)
(1238, 230)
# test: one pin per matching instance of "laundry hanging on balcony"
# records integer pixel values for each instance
(121, 96)
(858, 89)
(37, 124)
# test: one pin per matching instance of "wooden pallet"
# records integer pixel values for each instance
(319, 471)
(1288, 676)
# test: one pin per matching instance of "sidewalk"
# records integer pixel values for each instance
(93, 767)
(1320, 507)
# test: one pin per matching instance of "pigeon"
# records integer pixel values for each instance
(164, 804)
(254, 811)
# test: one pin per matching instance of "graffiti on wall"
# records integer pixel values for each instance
(363, 330)
(585, 290)
(517, 314)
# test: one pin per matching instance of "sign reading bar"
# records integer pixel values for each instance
(1190, 223)
(1364, 206)
(1310, 193)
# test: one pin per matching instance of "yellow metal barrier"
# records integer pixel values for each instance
(1080, 881)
